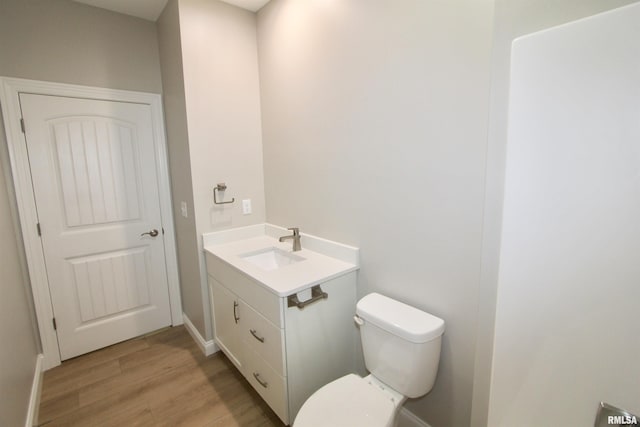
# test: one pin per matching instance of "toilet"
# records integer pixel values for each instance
(401, 347)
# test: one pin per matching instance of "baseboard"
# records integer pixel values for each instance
(406, 418)
(207, 347)
(36, 389)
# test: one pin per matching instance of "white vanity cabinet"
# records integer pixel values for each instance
(285, 352)
(226, 305)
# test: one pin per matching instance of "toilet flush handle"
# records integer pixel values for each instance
(358, 320)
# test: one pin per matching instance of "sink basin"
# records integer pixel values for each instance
(271, 258)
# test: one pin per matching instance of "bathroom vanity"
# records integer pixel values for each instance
(284, 318)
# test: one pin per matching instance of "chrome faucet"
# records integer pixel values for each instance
(295, 237)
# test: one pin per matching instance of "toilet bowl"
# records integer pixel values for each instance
(401, 347)
(352, 401)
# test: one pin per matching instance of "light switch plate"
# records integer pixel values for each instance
(183, 209)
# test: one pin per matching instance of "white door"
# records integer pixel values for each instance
(95, 183)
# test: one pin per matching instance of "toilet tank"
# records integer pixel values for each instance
(401, 344)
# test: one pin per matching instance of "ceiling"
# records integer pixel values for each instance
(252, 5)
(151, 9)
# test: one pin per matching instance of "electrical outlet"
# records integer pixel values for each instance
(246, 206)
(183, 209)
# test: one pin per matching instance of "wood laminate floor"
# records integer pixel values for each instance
(162, 379)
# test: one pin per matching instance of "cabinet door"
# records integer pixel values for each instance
(226, 321)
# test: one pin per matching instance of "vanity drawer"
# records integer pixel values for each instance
(263, 337)
(266, 302)
(269, 385)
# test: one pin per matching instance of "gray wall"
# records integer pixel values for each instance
(68, 42)
(374, 132)
(212, 98)
(62, 41)
(512, 19)
(175, 111)
(219, 53)
(18, 333)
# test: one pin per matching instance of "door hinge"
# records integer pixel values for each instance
(39, 229)
(163, 231)
(22, 125)
(55, 326)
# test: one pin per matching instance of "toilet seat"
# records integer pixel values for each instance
(350, 401)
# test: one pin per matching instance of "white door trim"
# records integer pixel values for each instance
(10, 88)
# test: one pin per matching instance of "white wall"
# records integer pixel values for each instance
(374, 129)
(566, 326)
(512, 19)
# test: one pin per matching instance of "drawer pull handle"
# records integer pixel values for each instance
(261, 382)
(235, 313)
(317, 294)
(255, 335)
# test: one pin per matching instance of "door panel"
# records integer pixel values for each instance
(95, 183)
(111, 283)
(96, 156)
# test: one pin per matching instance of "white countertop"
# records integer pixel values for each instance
(315, 268)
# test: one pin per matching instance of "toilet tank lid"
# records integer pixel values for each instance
(400, 319)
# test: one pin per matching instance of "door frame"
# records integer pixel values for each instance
(10, 89)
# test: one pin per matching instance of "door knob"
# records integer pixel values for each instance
(152, 233)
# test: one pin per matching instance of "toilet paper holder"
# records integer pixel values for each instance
(221, 187)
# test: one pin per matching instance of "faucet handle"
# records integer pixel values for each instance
(296, 230)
